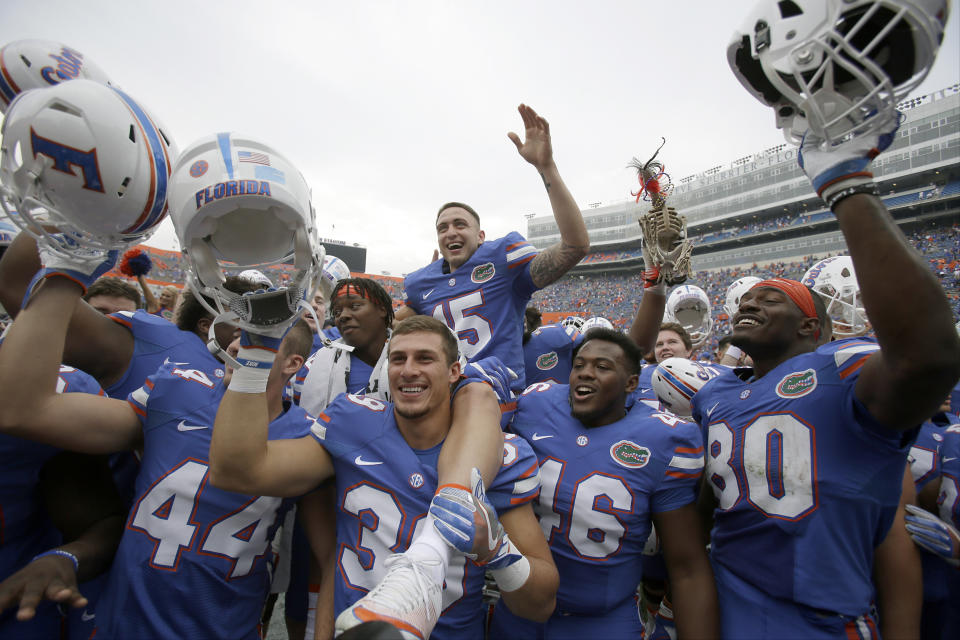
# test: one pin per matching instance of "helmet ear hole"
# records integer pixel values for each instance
(26, 61)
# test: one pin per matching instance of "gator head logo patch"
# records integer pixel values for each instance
(547, 361)
(630, 454)
(798, 384)
(483, 273)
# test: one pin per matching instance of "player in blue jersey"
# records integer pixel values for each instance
(814, 439)
(193, 561)
(480, 288)
(606, 475)
(385, 458)
(61, 508)
(548, 352)
(938, 441)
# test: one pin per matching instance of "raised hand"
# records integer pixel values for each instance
(536, 148)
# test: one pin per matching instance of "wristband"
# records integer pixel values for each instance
(514, 575)
(734, 352)
(62, 553)
(835, 198)
(249, 380)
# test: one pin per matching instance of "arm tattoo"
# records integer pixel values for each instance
(545, 182)
(552, 263)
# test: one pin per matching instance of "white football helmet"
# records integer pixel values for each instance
(676, 380)
(735, 291)
(35, 64)
(334, 270)
(836, 66)
(594, 323)
(236, 203)
(689, 306)
(87, 159)
(256, 277)
(572, 324)
(835, 281)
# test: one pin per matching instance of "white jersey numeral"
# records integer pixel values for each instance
(381, 521)
(463, 315)
(593, 533)
(776, 466)
(165, 514)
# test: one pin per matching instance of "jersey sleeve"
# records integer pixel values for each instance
(139, 398)
(518, 481)
(76, 381)
(348, 422)
(518, 255)
(847, 358)
(924, 457)
(681, 475)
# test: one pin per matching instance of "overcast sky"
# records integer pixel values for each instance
(392, 108)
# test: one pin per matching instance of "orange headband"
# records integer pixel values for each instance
(351, 290)
(797, 292)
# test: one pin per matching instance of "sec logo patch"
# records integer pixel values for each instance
(198, 168)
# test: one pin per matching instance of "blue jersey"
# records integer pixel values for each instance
(948, 498)
(155, 342)
(25, 529)
(384, 489)
(548, 354)
(599, 487)
(483, 300)
(807, 481)
(924, 458)
(194, 560)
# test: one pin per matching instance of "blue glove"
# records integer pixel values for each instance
(934, 535)
(492, 371)
(84, 266)
(467, 522)
(834, 168)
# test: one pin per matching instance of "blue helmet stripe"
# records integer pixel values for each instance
(161, 170)
(680, 385)
(223, 139)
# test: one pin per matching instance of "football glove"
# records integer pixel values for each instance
(832, 169)
(83, 266)
(492, 371)
(933, 534)
(467, 522)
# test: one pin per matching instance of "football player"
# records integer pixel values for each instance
(385, 457)
(932, 463)
(606, 475)
(62, 510)
(479, 288)
(802, 410)
(547, 353)
(205, 550)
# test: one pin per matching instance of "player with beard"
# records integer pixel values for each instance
(813, 440)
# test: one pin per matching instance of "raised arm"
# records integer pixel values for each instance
(94, 343)
(151, 300)
(242, 459)
(537, 149)
(29, 376)
(919, 360)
